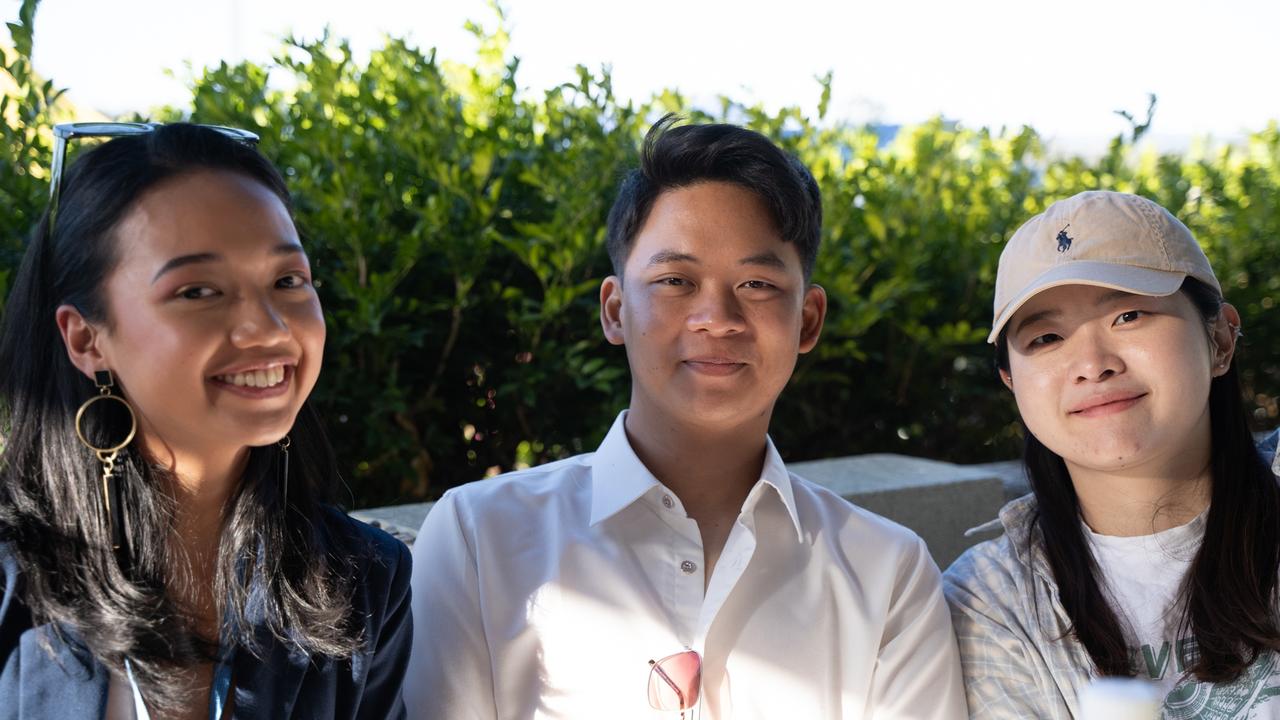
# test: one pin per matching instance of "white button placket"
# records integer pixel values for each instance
(684, 570)
(735, 557)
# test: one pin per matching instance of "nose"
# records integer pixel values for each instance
(1094, 359)
(258, 323)
(716, 311)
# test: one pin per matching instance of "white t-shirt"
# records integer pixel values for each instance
(1143, 576)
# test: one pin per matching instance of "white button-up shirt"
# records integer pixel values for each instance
(544, 593)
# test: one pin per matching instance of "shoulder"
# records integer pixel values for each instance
(362, 539)
(15, 618)
(379, 560)
(36, 665)
(997, 567)
(993, 589)
(822, 510)
(530, 485)
(547, 492)
(986, 570)
(8, 570)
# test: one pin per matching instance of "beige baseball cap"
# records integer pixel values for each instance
(1109, 239)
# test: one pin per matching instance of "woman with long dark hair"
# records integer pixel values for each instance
(169, 546)
(1150, 545)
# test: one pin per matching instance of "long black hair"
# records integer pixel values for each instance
(1228, 596)
(51, 509)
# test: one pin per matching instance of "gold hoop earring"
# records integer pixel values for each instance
(108, 455)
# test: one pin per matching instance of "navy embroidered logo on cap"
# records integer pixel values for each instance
(1064, 240)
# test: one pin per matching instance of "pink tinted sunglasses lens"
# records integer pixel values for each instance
(674, 681)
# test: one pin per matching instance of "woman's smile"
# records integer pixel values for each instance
(262, 382)
(1106, 404)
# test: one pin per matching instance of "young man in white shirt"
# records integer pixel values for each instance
(680, 567)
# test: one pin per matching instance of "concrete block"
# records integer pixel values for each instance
(1013, 473)
(401, 521)
(938, 500)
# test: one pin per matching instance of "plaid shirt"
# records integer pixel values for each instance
(1019, 660)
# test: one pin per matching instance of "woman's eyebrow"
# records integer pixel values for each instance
(1113, 296)
(183, 260)
(288, 247)
(1035, 317)
(284, 248)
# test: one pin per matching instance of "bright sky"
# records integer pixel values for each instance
(1062, 67)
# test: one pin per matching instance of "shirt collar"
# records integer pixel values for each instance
(774, 473)
(618, 478)
(1017, 517)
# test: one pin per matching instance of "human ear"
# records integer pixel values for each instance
(611, 309)
(812, 315)
(1006, 378)
(82, 340)
(1222, 338)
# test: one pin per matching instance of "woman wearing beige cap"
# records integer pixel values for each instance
(1150, 546)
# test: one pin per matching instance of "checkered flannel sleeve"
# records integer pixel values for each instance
(1006, 673)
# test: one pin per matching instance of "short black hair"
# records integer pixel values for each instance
(676, 156)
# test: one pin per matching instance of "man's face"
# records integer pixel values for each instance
(713, 310)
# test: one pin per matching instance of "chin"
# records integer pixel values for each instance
(265, 439)
(1110, 455)
(715, 416)
(263, 433)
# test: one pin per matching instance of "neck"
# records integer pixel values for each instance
(711, 470)
(202, 484)
(1148, 499)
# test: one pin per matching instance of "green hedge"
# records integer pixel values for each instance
(456, 224)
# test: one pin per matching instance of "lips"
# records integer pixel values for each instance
(1106, 403)
(714, 365)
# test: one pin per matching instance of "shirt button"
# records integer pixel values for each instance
(688, 566)
(667, 502)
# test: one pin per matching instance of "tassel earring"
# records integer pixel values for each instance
(108, 455)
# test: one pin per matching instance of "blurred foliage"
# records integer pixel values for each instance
(456, 225)
(26, 139)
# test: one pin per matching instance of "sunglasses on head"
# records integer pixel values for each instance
(66, 132)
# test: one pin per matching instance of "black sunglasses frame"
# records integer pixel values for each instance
(63, 133)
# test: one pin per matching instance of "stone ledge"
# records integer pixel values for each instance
(400, 521)
(937, 500)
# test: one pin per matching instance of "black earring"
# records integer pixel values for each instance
(284, 444)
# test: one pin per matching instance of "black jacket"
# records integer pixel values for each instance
(285, 683)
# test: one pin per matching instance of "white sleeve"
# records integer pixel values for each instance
(917, 674)
(450, 673)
